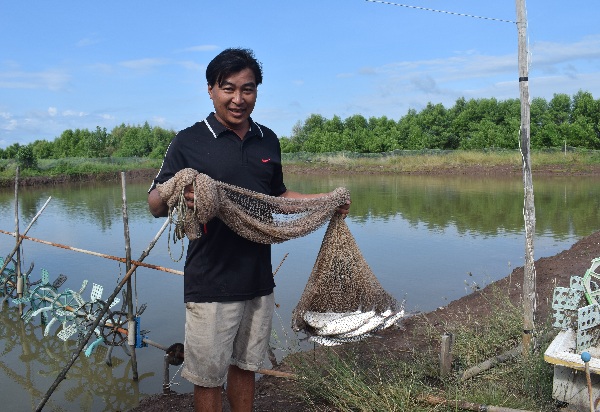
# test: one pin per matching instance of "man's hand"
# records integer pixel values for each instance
(344, 209)
(188, 195)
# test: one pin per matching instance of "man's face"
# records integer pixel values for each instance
(234, 99)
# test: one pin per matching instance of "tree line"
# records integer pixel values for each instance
(469, 125)
(473, 124)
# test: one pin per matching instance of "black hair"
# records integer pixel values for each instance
(230, 61)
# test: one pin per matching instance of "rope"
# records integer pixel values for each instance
(441, 11)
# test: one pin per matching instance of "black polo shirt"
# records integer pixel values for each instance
(221, 265)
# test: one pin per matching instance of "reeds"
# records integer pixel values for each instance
(357, 380)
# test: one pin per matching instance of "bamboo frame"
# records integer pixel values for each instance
(98, 254)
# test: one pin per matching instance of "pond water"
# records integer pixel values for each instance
(428, 239)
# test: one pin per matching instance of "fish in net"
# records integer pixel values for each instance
(343, 301)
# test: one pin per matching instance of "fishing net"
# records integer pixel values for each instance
(254, 216)
(341, 280)
(342, 299)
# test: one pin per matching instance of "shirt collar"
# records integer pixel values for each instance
(217, 128)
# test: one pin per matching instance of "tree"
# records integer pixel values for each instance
(160, 141)
(43, 149)
(135, 141)
(11, 151)
(25, 158)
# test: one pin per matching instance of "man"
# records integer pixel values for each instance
(228, 281)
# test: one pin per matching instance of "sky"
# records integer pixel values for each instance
(80, 64)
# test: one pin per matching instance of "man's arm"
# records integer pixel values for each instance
(157, 207)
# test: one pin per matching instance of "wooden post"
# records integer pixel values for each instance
(529, 293)
(131, 336)
(446, 355)
(166, 379)
(18, 275)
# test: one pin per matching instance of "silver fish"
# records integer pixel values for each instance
(390, 320)
(374, 324)
(371, 324)
(320, 319)
(345, 323)
(332, 341)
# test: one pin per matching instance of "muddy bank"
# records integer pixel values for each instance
(147, 175)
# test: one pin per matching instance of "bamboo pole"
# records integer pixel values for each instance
(130, 315)
(465, 405)
(18, 265)
(63, 374)
(89, 252)
(490, 363)
(20, 237)
(529, 293)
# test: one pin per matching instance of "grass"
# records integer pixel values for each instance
(415, 161)
(343, 380)
(393, 162)
(77, 166)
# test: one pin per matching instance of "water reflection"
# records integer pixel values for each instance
(564, 206)
(424, 237)
(32, 362)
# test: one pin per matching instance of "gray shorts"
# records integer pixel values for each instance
(219, 334)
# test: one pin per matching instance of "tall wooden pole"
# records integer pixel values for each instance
(529, 293)
(20, 283)
(130, 314)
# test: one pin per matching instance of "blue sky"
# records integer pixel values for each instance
(78, 64)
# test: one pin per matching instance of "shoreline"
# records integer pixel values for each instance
(502, 170)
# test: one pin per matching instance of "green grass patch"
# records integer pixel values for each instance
(341, 379)
(393, 162)
(77, 166)
(428, 160)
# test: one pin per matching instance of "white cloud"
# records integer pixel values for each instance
(73, 113)
(425, 83)
(549, 53)
(10, 125)
(367, 71)
(51, 79)
(52, 111)
(190, 65)
(150, 63)
(159, 120)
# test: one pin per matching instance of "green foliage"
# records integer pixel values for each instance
(475, 124)
(11, 151)
(25, 158)
(122, 141)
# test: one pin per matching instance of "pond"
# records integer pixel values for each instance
(428, 239)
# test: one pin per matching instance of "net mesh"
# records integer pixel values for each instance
(254, 216)
(341, 280)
